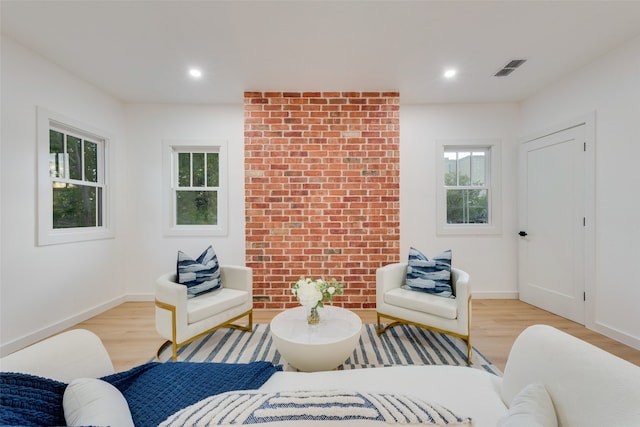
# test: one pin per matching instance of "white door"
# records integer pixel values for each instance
(552, 220)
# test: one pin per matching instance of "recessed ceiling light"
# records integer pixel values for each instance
(450, 73)
(195, 73)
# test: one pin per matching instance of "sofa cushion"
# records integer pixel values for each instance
(430, 276)
(93, 402)
(212, 303)
(531, 407)
(423, 302)
(201, 275)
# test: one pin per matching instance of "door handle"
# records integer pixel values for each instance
(522, 233)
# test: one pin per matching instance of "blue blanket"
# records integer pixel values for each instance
(27, 400)
(153, 390)
(156, 390)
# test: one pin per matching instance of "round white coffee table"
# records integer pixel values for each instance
(320, 347)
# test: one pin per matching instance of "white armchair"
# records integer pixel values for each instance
(182, 320)
(451, 316)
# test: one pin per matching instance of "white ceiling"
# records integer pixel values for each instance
(139, 51)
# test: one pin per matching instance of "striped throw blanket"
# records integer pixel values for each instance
(307, 407)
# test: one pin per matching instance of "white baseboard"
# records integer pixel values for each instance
(50, 330)
(616, 334)
(139, 297)
(495, 295)
(58, 327)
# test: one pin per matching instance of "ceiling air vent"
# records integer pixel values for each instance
(510, 67)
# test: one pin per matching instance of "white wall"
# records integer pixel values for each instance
(44, 289)
(149, 252)
(489, 259)
(611, 88)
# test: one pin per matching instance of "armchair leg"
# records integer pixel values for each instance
(174, 350)
(175, 345)
(382, 330)
(248, 328)
(396, 322)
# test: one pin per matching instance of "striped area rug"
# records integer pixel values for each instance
(401, 345)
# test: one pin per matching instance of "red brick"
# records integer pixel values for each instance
(324, 203)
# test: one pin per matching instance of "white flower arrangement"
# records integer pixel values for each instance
(315, 293)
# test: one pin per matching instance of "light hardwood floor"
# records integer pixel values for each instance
(128, 330)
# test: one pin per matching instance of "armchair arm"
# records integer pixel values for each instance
(237, 277)
(460, 284)
(389, 277)
(170, 292)
(462, 291)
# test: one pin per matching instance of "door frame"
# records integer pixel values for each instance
(590, 269)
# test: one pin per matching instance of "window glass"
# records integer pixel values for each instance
(90, 161)
(464, 168)
(467, 207)
(213, 168)
(197, 207)
(74, 154)
(56, 154)
(184, 169)
(195, 193)
(74, 206)
(196, 201)
(467, 195)
(76, 193)
(469, 198)
(450, 168)
(198, 169)
(478, 168)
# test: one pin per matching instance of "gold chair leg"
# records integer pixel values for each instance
(175, 346)
(397, 322)
(174, 350)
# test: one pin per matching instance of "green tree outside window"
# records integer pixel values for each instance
(76, 192)
(467, 196)
(196, 198)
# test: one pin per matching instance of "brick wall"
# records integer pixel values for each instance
(322, 191)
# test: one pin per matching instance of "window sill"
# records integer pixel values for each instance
(468, 230)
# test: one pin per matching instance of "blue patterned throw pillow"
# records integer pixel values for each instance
(201, 275)
(431, 276)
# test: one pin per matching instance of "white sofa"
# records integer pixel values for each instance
(588, 386)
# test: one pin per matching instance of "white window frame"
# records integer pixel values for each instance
(170, 149)
(494, 181)
(47, 235)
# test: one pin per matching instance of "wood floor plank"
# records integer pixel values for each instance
(129, 334)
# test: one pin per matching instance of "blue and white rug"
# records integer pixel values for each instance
(401, 345)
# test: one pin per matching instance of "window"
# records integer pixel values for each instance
(73, 168)
(196, 196)
(73, 202)
(468, 187)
